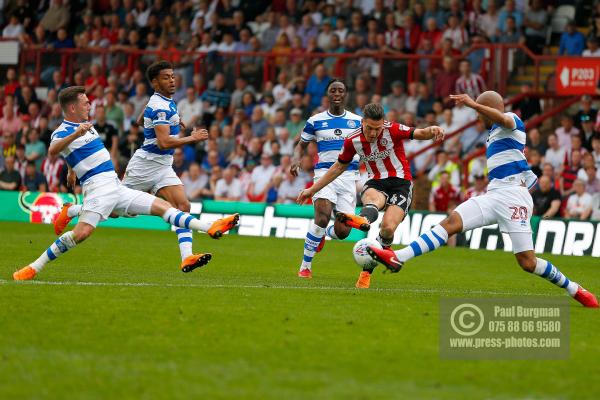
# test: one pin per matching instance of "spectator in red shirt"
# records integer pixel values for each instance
(432, 33)
(445, 81)
(96, 79)
(12, 83)
(444, 197)
(445, 49)
(411, 33)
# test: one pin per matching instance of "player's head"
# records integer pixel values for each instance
(372, 121)
(74, 103)
(336, 93)
(161, 77)
(490, 99)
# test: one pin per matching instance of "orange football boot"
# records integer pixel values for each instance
(194, 261)
(62, 219)
(353, 221)
(364, 280)
(220, 226)
(25, 274)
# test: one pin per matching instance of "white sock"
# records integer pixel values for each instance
(184, 220)
(184, 236)
(330, 231)
(313, 238)
(425, 243)
(74, 210)
(65, 242)
(545, 269)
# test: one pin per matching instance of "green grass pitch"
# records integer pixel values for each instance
(116, 319)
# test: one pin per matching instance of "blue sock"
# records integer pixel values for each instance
(545, 269)
(425, 243)
(313, 238)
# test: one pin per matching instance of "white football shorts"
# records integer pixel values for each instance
(103, 196)
(510, 207)
(149, 176)
(341, 192)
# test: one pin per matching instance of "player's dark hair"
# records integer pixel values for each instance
(69, 95)
(373, 111)
(154, 69)
(334, 80)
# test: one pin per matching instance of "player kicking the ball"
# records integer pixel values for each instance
(328, 129)
(507, 201)
(150, 169)
(379, 144)
(103, 194)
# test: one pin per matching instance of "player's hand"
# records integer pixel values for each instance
(71, 179)
(199, 135)
(83, 128)
(463, 99)
(304, 196)
(295, 167)
(437, 133)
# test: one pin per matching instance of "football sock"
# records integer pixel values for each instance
(313, 238)
(184, 220)
(74, 210)
(370, 212)
(384, 242)
(425, 243)
(545, 269)
(330, 231)
(184, 236)
(65, 242)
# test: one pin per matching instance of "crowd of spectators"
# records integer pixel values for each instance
(254, 121)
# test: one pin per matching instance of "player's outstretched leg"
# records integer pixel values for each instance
(184, 220)
(546, 270)
(63, 244)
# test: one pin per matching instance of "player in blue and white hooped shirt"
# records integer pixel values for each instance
(507, 202)
(150, 169)
(328, 129)
(103, 194)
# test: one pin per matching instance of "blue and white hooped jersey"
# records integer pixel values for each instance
(86, 155)
(160, 110)
(506, 162)
(329, 132)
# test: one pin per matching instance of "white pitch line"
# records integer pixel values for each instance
(217, 286)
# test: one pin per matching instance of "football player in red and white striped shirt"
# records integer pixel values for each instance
(469, 82)
(380, 147)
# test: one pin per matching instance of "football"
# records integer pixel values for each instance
(362, 258)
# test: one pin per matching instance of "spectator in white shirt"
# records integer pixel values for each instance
(14, 29)
(449, 126)
(190, 108)
(227, 45)
(228, 188)
(579, 205)
(289, 189)
(593, 49)
(555, 155)
(565, 131)
(260, 181)
(287, 144)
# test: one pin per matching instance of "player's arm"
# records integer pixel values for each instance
(59, 145)
(299, 150)
(164, 140)
(494, 115)
(431, 132)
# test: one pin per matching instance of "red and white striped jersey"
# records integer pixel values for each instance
(383, 158)
(473, 85)
(52, 171)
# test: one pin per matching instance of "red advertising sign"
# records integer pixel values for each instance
(577, 75)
